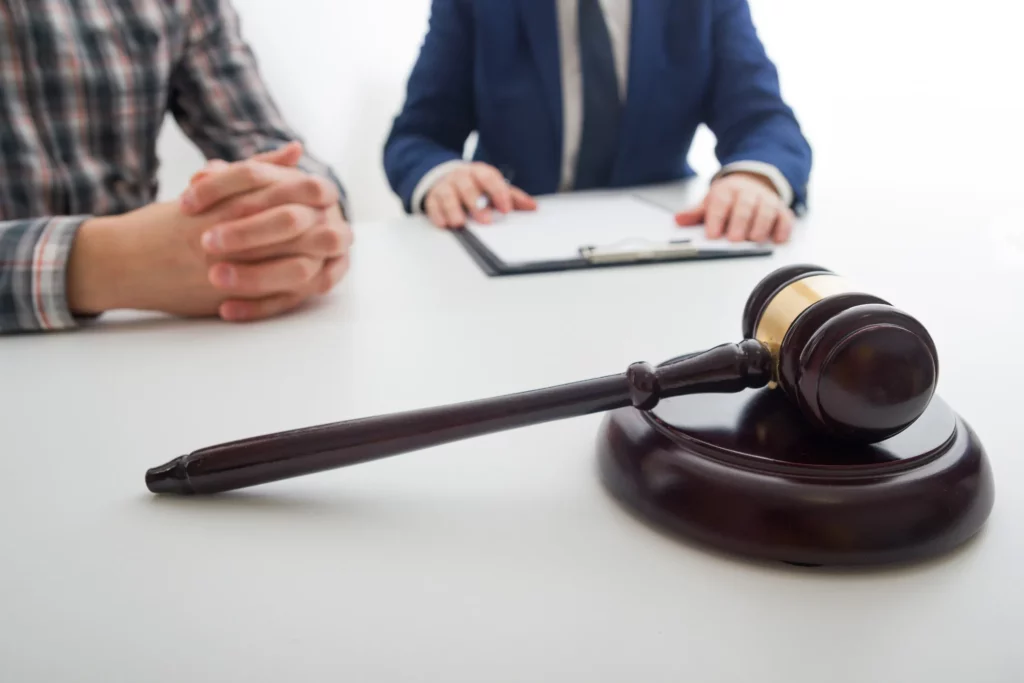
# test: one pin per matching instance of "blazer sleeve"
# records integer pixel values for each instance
(438, 114)
(745, 109)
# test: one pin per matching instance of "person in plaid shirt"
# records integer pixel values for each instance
(84, 89)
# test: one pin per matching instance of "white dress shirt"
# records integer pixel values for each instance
(618, 15)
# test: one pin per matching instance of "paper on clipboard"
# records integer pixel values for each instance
(565, 226)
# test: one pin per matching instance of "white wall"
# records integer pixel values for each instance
(895, 95)
(337, 69)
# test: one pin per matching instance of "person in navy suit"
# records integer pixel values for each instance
(584, 94)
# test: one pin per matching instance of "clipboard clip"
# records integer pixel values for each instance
(629, 251)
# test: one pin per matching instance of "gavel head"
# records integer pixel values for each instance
(856, 367)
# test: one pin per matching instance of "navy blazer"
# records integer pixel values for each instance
(494, 67)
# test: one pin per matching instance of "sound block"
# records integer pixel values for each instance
(743, 473)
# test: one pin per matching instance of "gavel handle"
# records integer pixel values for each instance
(724, 369)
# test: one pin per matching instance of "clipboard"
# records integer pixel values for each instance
(592, 256)
(577, 232)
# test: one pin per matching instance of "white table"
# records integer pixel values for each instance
(497, 559)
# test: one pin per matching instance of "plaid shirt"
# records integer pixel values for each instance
(84, 88)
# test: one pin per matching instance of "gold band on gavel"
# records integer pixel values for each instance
(787, 305)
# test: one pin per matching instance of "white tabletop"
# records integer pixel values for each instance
(496, 559)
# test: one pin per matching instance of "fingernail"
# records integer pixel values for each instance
(226, 276)
(231, 312)
(188, 200)
(211, 240)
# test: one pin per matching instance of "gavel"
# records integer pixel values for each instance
(857, 368)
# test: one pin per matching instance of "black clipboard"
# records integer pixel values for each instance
(601, 257)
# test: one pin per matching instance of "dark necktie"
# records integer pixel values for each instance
(601, 103)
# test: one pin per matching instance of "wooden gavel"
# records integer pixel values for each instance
(857, 368)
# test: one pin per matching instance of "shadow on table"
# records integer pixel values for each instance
(121, 322)
(454, 517)
(884, 571)
(260, 502)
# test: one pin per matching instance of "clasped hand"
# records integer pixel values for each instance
(279, 235)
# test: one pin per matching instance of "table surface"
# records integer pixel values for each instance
(499, 558)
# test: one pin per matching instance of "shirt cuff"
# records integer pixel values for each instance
(430, 179)
(768, 171)
(41, 298)
(315, 167)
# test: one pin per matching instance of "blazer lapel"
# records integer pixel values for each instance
(540, 20)
(647, 62)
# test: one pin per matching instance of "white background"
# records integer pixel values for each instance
(895, 96)
(501, 558)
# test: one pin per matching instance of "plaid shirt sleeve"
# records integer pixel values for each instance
(219, 98)
(33, 269)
